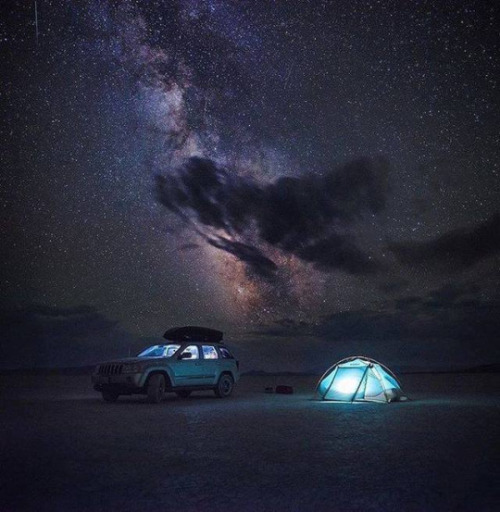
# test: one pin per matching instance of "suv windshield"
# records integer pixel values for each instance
(160, 351)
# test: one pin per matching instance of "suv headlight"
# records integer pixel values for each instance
(131, 368)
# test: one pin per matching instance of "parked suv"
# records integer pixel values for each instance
(192, 359)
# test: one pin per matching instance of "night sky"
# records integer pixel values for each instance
(316, 178)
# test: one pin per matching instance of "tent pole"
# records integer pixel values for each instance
(331, 383)
(359, 385)
(382, 382)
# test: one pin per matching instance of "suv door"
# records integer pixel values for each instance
(188, 372)
(211, 363)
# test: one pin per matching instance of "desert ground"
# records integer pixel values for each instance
(63, 449)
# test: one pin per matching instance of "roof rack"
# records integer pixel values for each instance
(192, 333)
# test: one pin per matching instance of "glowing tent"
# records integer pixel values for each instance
(359, 379)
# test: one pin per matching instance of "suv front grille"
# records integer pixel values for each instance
(110, 369)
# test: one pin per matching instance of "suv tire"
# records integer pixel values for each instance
(156, 388)
(224, 386)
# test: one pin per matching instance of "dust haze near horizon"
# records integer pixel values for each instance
(317, 179)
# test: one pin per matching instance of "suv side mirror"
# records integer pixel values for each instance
(185, 355)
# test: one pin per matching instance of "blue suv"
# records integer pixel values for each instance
(192, 359)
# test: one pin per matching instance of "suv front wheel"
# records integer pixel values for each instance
(224, 386)
(156, 389)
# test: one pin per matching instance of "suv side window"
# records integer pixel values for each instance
(209, 352)
(170, 350)
(225, 353)
(193, 350)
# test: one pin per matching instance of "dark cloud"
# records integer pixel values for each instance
(454, 250)
(339, 252)
(393, 285)
(445, 297)
(247, 254)
(38, 336)
(419, 319)
(451, 312)
(453, 293)
(307, 216)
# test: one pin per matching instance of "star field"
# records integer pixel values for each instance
(318, 161)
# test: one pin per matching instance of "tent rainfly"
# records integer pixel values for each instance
(359, 379)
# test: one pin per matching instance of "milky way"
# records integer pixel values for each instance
(257, 166)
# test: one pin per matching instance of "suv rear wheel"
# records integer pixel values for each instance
(224, 386)
(156, 388)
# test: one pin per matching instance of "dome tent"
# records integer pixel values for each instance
(359, 379)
